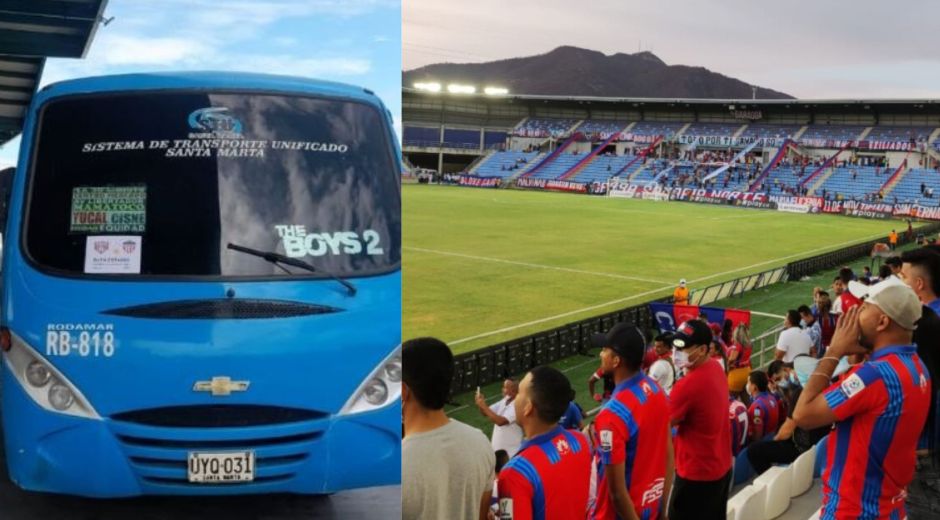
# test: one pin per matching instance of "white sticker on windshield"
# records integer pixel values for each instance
(112, 254)
(299, 242)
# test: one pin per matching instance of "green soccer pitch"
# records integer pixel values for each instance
(483, 266)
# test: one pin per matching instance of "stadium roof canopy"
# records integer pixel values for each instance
(876, 106)
(30, 32)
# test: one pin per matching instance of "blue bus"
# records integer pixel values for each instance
(202, 288)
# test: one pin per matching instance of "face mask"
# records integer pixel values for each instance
(793, 379)
(803, 324)
(783, 383)
(680, 359)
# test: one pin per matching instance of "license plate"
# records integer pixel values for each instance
(221, 468)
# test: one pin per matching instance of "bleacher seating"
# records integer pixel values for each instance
(786, 175)
(561, 164)
(656, 128)
(908, 189)
(712, 129)
(494, 139)
(460, 138)
(421, 136)
(602, 168)
(777, 481)
(601, 129)
(536, 127)
(867, 181)
(760, 130)
(832, 132)
(899, 133)
(493, 166)
(802, 473)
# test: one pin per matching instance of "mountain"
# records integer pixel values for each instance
(580, 72)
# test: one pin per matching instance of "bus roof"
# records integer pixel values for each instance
(205, 80)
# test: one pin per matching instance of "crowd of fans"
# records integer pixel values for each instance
(852, 375)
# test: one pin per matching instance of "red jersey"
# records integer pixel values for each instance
(737, 416)
(649, 358)
(763, 415)
(744, 355)
(549, 478)
(703, 434)
(880, 410)
(633, 429)
(608, 383)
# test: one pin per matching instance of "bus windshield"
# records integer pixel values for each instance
(159, 183)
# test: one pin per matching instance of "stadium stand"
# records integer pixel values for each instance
(763, 130)
(902, 134)
(499, 164)
(600, 129)
(458, 138)
(712, 129)
(907, 190)
(535, 127)
(649, 128)
(832, 132)
(601, 168)
(494, 139)
(558, 166)
(421, 136)
(854, 182)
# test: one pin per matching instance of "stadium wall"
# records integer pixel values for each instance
(517, 356)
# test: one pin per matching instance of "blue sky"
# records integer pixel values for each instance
(353, 41)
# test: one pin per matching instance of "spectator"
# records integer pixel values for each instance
(703, 436)
(608, 386)
(792, 340)
(866, 274)
(737, 416)
(507, 435)
(447, 466)
(894, 263)
(573, 416)
(789, 442)
(634, 456)
(878, 409)
(763, 414)
(827, 322)
(920, 270)
(739, 358)
(884, 272)
(681, 295)
(837, 289)
(662, 370)
(812, 328)
(552, 471)
(781, 381)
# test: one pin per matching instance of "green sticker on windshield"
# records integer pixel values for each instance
(109, 209)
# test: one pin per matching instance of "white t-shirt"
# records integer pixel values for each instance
(507, 437)
(794, 341)
(662, 372)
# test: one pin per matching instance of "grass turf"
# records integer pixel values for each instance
(478, 261)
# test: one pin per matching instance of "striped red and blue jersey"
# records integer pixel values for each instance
(880, 409)
(737, 414)
(763, 415)
(548, 479)
(632, 429)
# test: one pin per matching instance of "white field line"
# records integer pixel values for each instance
(767, 315)
(500, 396)
(647, 293)
(536, 266)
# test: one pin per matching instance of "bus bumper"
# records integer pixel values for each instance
(57, 453)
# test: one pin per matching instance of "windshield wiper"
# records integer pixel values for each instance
(278, 259)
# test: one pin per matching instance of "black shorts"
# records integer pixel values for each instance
(699, 500)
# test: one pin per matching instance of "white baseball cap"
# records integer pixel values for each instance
(894, 298)
(681, 281)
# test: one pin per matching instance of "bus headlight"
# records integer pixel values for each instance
(60, 397)
(35, 373)
(393, 369)
(381, 388)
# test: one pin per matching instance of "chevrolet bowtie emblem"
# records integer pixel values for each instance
(220, 385)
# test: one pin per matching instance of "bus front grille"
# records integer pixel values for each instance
(217, 416)
(160, 455)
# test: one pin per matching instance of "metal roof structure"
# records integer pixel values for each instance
(30, 32)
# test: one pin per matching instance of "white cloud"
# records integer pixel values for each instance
(324, 67)
(113, 49)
